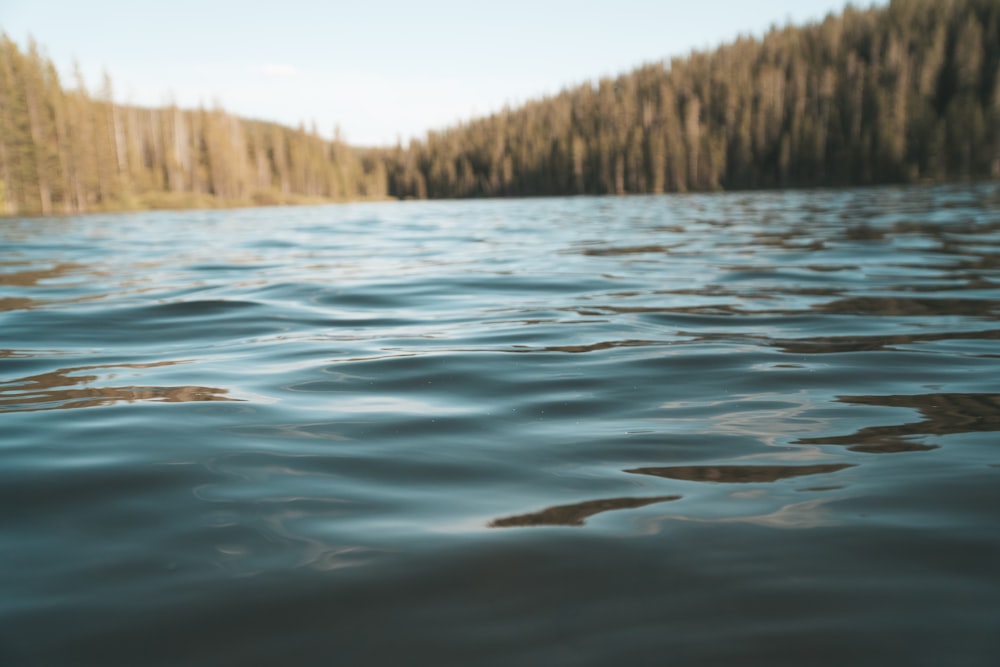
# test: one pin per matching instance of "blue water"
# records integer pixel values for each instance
(747, 428)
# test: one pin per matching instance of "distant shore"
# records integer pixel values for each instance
(907, 93)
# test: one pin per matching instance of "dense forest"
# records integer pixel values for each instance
(905, 93)
(68, 150)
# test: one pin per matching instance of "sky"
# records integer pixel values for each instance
(380, 70)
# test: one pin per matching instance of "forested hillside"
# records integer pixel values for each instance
(64, 150)
(902, 94)
(907, 93)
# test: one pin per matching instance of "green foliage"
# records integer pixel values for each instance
(68, 151)
(906, 93)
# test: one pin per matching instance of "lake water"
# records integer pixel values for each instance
(747, 428)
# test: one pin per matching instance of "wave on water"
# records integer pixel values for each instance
(727, 427)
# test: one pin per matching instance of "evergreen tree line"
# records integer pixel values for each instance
(907, 93)
(65, 150)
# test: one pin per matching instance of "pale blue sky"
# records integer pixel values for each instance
(378, 68)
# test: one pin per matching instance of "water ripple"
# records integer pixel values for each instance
(704, 422)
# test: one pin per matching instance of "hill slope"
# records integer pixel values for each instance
(66, 150)
(901, 94)
(906, 93)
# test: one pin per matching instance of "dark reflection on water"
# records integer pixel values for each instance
(574, 515)
(739, 474)
(944, 414)
(896, 306)
(304, 426)
(827, 344)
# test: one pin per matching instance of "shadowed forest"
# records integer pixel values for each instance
(901, 94)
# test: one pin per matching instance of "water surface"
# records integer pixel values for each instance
(687, 430)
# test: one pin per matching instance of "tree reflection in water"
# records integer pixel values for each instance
(574, 515)
(944, 414)
(61, 389)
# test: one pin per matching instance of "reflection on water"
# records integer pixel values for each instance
(739, 474)
(33, 277)
(574, 514)
(303, 427)
(833, 344)
(11, 303)
(49, 391)
(910, 307)
(944, 414)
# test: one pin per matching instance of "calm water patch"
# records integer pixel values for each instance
(691, 430)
